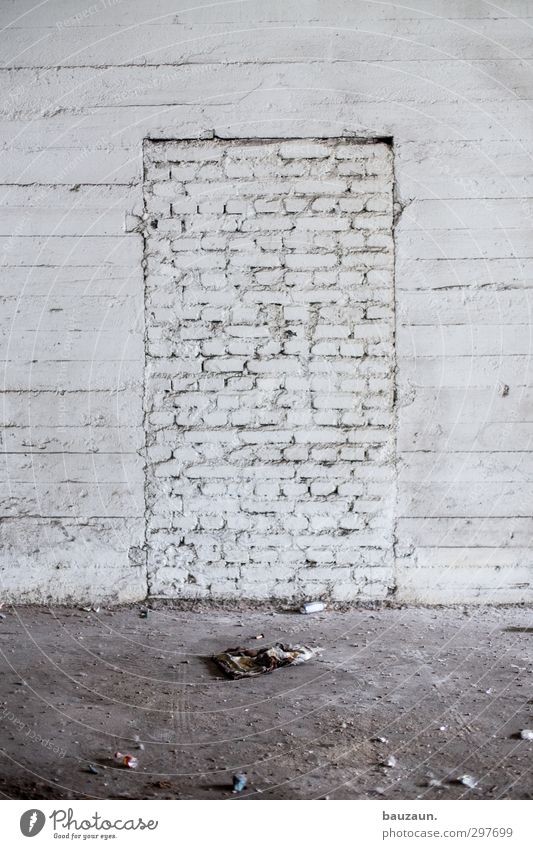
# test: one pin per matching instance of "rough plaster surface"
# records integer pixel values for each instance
(270, 364)
(448, 80)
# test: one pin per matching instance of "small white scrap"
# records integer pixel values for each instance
(390, 762)
(312, 607)
(468, 780)
(526, 734)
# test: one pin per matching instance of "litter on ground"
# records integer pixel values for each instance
(246, 663)
(434, 782)
(239, 782)
(467, 780)
(129, 761)
(312, 607)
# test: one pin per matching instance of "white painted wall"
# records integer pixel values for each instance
(270, 362)
(84, 83)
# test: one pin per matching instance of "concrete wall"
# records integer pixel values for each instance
(83, 84)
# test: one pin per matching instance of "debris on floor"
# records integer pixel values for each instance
(312, 607)
(199, 727)
(467, 780)
(129, 761)
(246, 663)
(92, 769)
(240, 781)
(143, 614)
(389, 762)
(526, 734)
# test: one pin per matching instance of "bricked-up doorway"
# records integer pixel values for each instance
(270, 368)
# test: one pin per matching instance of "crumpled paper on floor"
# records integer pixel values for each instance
(246, 663)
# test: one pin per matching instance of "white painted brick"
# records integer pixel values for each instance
(304, 150)
(331, 331)
(353, 167)
(295, 204)
(224, 364)
(326, 349)
(323, 488)
(323, 222)
(310, 261)
(355, 349)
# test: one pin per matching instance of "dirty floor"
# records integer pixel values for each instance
(444, 692)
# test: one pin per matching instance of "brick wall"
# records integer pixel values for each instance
(270, 359)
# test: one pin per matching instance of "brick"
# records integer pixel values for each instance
(295, 204)
(267, 223)
(331, 331)
(310, 260)
(224, 364)
(334, 401)
(304, 150)
(263, 437)
(323, 488)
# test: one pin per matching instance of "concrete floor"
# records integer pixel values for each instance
(448, 689)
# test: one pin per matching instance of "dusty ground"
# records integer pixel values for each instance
(448, 689)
